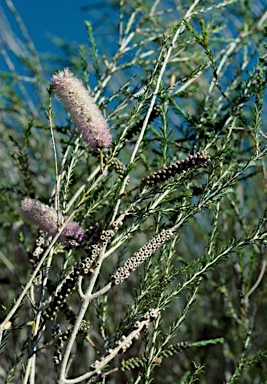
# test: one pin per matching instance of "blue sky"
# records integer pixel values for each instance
(60, 18)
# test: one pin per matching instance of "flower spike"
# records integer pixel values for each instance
(83, 111)
(45, 218)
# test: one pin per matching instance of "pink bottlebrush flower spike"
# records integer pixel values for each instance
(82, 109)
(45, 218)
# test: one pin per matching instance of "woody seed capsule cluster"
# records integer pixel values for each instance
(94, 249)
(59, 300)
(60, 338)
(199, 159)
(140, 256)
(137, 127)
(118, 166)
(81, 268)
(38, 250)
(125, 341)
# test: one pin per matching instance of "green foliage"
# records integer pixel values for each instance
(173, 81)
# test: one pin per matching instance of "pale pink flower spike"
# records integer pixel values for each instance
(45, 218)
(83, 111)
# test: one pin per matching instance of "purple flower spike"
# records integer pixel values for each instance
(40, 214)
(73, 234)
(45, 218)
(82, 109)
